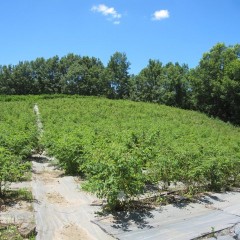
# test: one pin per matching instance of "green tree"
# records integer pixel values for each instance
(67, 61)
(22, 78)
(39, 75)
(147, 85)
(176, 85)
(215, 83)
(162, 84)
(84, 77)
(118, 74)
(6, 80)
(53, 75)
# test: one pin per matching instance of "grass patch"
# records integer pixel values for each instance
(10, 232)
(21, 194)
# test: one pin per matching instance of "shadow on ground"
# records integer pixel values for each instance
(124, 219)
(209, 199)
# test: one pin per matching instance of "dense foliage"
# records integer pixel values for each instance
(212, 87)
(119, 146)
(18, 136)
(216, 83)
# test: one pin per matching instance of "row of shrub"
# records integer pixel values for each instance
(119, 146)
(18, 136)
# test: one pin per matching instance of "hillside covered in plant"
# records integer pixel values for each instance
(213, 87)
(119, 146)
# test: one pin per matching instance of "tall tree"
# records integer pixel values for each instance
(22, 78)
(215, 82)
(176, 85)
(147, 86)
(7, 85)
(118, 74)
(39, 74)
(84, 77)
(53, 75)
(162, 84)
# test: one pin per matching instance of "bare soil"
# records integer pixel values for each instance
(55, 197)
(72, 231)
(16, 213)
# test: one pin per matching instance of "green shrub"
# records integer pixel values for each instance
(12, 169)
(120, 145)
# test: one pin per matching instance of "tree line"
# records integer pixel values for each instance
(213, 87)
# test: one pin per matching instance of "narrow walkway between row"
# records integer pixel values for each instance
(62, 210)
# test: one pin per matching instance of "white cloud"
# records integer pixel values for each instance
(161, 14)
(116, 22)
(113, 15)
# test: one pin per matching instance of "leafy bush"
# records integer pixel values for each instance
(116, 176)
(121, 145)
(18, 131)
(12, 169)
(18, 136)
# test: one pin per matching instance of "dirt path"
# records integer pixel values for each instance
(63, 211)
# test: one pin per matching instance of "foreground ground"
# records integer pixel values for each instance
(215, 215)
(63, 212)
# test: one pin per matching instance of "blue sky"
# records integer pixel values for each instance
(167, 30)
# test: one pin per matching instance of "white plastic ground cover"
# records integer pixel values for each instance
(214, 213)
(62, 210)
